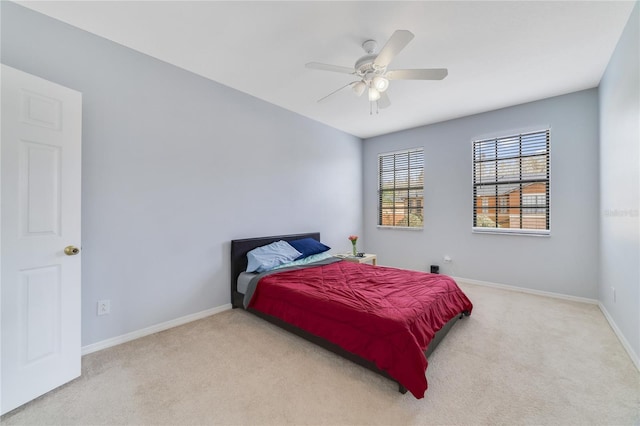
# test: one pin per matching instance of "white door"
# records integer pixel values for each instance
(40, 216)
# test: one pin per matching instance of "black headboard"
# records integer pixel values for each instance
(239, 250)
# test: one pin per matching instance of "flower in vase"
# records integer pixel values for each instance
(353, 239)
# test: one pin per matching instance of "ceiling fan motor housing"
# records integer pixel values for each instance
(365, 65)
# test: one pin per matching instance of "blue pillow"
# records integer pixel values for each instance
(305, 260)
(308, 246)
(266, 257)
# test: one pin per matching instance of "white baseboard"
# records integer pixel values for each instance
(153, 329)
(528, 290)
(625, 343)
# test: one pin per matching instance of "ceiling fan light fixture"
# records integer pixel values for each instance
(359, 87)
(374, 94)
(380, 83)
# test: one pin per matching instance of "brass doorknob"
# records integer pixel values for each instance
(71, 250)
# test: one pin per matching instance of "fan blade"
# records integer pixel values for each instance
(394, 45)
(424, 74)
(337, 90)
(384, 101)
(327, 67)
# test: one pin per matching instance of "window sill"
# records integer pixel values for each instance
(521, 232)
(401, 228)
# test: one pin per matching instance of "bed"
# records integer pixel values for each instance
(393, 341)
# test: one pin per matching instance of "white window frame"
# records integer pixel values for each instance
(409, 187)
(499, 208)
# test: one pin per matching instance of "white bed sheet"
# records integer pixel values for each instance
(243, 281)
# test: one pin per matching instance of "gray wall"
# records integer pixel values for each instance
(620, 184)
(174, 167)
(565, 262)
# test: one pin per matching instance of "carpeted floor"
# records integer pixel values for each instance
(518, 359)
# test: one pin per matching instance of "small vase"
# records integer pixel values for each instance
(355, 251)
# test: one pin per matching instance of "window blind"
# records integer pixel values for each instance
(401, 189)
(511, 183)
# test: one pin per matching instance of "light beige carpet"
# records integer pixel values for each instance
(519, 359)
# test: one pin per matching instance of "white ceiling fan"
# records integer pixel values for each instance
(371, 69)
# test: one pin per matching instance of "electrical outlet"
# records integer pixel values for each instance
(104, 307)
(447, 259)
(613, 291)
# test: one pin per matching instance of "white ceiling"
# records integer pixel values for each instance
(498, 53)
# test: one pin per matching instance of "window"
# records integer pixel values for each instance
(531, 203)
(503, 200)
(511, 183)
(401, 189)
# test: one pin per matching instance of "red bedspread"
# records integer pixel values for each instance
(385, 315)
